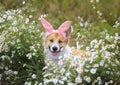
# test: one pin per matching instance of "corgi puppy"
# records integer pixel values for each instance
(56, 41)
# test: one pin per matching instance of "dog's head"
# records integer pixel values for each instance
(56, 40)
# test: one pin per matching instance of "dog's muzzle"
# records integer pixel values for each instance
(55, 50)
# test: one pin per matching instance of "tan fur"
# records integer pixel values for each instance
(79, 52)
(56, 38)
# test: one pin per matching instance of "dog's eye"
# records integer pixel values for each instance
(51, 40)
(59, 41)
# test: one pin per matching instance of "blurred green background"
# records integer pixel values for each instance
(68, 9)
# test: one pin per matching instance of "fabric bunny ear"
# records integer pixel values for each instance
(65, 28)
(47, 26)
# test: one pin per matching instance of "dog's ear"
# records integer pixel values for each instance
(47, 26)
(65, 28)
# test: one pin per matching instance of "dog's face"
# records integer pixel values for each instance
(56, 40)
(55, 43)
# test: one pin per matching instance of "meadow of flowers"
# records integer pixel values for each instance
(21, 52)
(99, 67)
(22, 61)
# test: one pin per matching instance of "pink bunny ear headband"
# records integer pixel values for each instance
(62, 28)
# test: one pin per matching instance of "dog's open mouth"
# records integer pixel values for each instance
(54, 53)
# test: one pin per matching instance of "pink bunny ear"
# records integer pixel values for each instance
(65, 28)
(47, 26)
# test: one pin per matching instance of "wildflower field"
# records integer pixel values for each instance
(95, 29)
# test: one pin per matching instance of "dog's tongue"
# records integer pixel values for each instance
(54, 53)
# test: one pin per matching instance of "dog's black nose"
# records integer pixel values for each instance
(54, 48)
